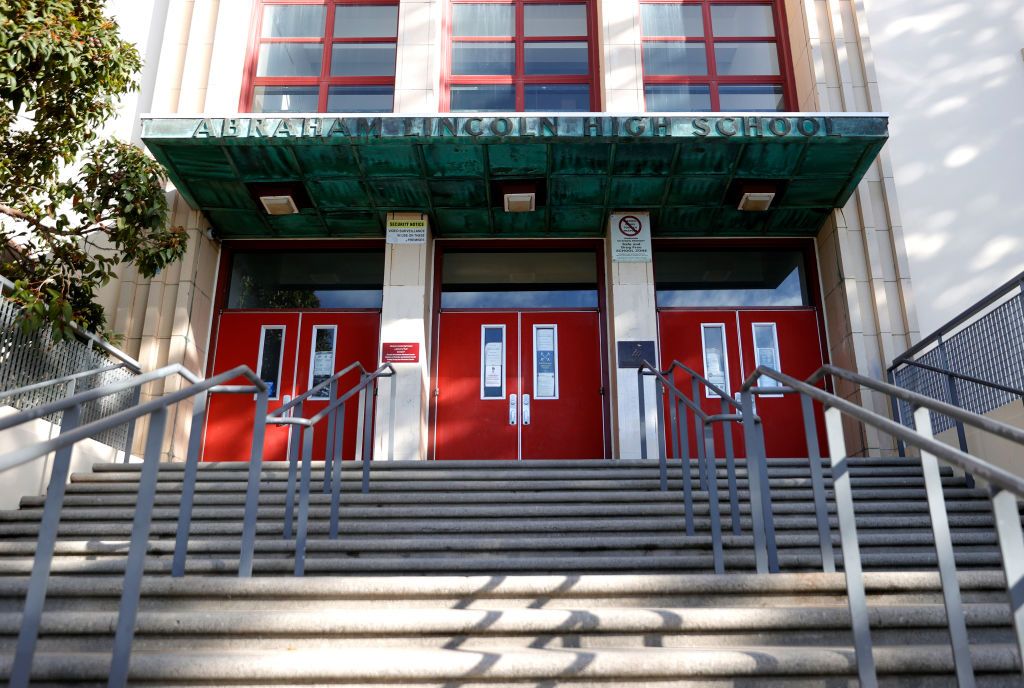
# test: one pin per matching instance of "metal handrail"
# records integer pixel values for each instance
(302, 430)
(704, 441)
(966, 315)
(72, 431)
(7, 394)
(966, 378)
(1005, 491)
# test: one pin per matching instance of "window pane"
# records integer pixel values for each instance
(555, 20)
(365, 21)
(307, 279)
(290, 59)
(285, 99)
(557, 98)
(270, 359)
(747, 59)
(363, 59)
(672, 20)
(293, 21)
(730, 279)
(672, 98)
(556, 58)
(483, 98)
(483, 20)
(483, 58)
(753, 98)
(361, 99)
(675, 58)
(742, 20)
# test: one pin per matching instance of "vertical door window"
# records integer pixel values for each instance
(321, 366)
(712, 55)
(327, 56)
(545, 369)
(270, 358)
(492, 362)
(716, 362)
(521, 55)
(766, 351)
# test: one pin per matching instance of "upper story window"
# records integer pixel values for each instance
(713, 55)
(521, 56)
(323, 56)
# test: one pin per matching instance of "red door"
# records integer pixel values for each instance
(726, 346)
(519, 385)
(291, 352)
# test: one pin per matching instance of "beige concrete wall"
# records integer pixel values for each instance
(995, 450)
(31, 478)
(865, 279)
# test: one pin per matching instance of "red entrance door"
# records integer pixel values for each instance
(726, 346)
(290, 351)
(519, 385)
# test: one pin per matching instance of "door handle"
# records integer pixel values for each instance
(526, 409)
(513, 401)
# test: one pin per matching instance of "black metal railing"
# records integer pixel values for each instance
(974, 362)
(302, 430)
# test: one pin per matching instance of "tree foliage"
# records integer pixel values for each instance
(73, 206)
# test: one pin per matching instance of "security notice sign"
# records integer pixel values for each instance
(631, 237)
(407, 228)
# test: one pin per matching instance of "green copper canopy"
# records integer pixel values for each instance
(686, 170)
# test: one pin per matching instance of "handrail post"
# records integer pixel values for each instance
(828, 557)
(714, 508)
(369, 395)
(339, 446)
(643, 412)
(135, 566)
(897, 413)
(944, 553)
(1006, 511)
(855, 593)
(294, 446)
(730, 469)
(699, 437)
(42, 562)
(332, 419)
(393, 412)
(673, 422)
(130, 433)
(659, 397)
(684, 441)
(188, 485)
(252, 493)
(766, 498)
(954, 394)
(303, 528)
(754, 483)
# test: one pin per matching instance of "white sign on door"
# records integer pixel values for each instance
(631, 237)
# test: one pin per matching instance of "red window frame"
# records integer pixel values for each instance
(713, 79)
(520, 79)
(325, 80)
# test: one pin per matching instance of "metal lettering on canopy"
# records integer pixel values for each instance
(349, 172)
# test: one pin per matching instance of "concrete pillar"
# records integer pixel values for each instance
(405, 318)
(632, 316)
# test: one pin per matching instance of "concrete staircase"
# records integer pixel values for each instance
(511, 574)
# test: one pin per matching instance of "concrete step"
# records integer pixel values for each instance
(499, 665)
(499, 563)
(512, 628)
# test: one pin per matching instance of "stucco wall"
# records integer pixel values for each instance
(951, 72)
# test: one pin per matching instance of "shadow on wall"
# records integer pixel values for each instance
(951, 73)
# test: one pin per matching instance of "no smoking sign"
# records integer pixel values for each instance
(630, 225)
(631, 237)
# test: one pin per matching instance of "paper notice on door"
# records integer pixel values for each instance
(545, 382)
(545, 386)
(323, 363)
(493, 365)
(766, 357)
(546, 339)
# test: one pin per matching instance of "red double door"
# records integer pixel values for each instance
(726, 346)
(519, 385)
(291, 351)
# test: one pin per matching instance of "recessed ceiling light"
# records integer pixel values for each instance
(756, 202)
(520, 202)
(279, 205)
